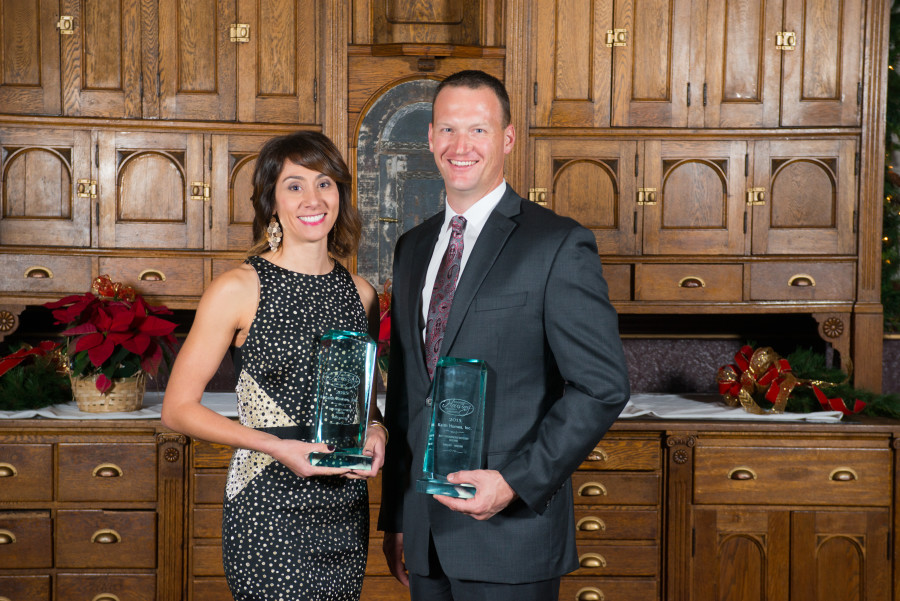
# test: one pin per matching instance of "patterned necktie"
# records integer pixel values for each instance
(442, 293)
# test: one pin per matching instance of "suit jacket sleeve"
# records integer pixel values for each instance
(581, 329)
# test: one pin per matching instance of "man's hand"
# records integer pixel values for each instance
(492, 494)
(393, 553)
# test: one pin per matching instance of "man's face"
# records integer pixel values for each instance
(469, 143)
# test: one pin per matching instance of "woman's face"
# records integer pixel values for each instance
(306, 203)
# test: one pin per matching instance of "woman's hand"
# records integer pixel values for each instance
(294, 454)
(374, 448)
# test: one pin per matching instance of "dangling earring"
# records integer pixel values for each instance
(273, 234)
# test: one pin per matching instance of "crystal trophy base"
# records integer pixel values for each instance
(343, 459)
(436, 486)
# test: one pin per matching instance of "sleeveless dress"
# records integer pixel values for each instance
(284, 537)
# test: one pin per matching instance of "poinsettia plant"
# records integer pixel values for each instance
(384, 328)
(113, 332)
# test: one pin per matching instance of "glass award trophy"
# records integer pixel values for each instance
(456, 430)
(346, 373)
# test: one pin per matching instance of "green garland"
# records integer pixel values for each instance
(33, 384)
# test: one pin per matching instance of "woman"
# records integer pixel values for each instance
(290, 530)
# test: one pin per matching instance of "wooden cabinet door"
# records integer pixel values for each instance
(572, 64)
(29, 57)
(823, 74)
(840, 555)
(650, 72)
(101, 60)
(233, 162)
(693, 197)
(740, 555)
(146, 182)
(743, 66)
(42, 203)
(809, 203)
(197, 60)
(592, 181)
(278, 66)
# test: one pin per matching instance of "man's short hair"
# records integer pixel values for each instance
(474, 80)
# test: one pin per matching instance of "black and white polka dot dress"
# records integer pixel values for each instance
(286, 538)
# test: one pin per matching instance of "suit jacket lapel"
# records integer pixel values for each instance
(489, 244)
(421, 250)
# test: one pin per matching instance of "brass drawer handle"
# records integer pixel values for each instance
(592, 489)
(592, 560)
(802, 280)
(8, 470)
(843, 474)
(598, 454)
(742, 473)
(106, 536)
(7, 537)
(107, 470)
(591, 524)
(152, 275)
(39, 272)
(691, 281)
(105, 597)
(590, 593)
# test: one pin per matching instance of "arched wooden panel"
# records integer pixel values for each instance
(694, 196)
(586, 191)
(37, 182)
(741, 566)
(151, 187)
(804, 194)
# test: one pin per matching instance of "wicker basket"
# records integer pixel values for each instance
(126, 394)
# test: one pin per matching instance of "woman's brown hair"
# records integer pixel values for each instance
(315, 151)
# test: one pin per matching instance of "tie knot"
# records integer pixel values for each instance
(458, 225)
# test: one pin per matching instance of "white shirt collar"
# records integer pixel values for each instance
(476, 215)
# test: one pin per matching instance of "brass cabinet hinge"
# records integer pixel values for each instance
(616, 37)
(66, 25)
(785, 40)
(240, 33)
(756, 196)
(538, 196)
(87, 188)
(646, 196)
(199, 191)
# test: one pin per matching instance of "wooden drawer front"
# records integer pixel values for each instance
(377, 564)
(573, 588)
(105, 539)
(602, 488)
(677, 282)
(157, 276)
(25, 588)
(26, 539)
(220, 266)
(608, 559)
(802, 281)
(598, 523)
(207, 523)
(44, 273)
(780, 476)
(210, 488)
(632, 454)
(26, 472)
(107, 472)
(618, 278)
(383, 588)
(210, 589)
(124, 587)
(207, 560)
(210, 455)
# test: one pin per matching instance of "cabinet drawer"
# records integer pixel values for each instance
(678, 282)
(794, 476)
(598, 523)
(90, 587)
(802, 281)
(609, 559)
(632, 454)
(574, 588)
(207, 560)
(25, 588)
(209, 589)
(26, 472)
(606, 488)
(157, 276)
(107, 472)
(207, 523)
(220, 266)
(44, 273)
(105, 539)
(209, 455)
(618, 278)
(210, 488)
(26, 539)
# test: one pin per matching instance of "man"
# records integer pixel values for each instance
(530, 301)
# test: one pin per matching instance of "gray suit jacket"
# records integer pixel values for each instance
(533, 304)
